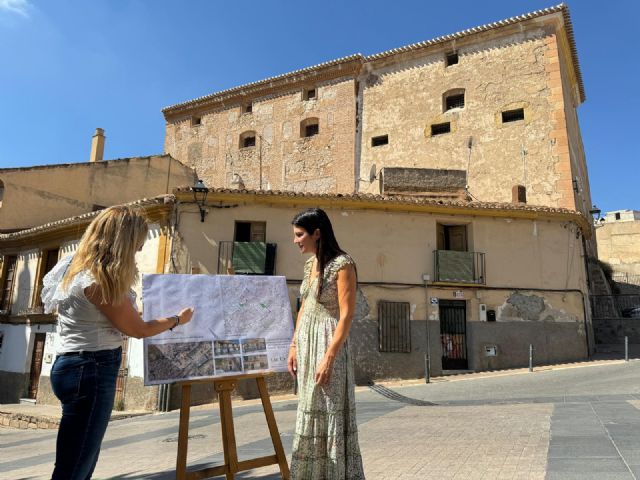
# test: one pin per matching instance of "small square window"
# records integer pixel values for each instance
(249, 142)
(311, 130)
(513, 115)
(196, 121)
(247, 108)
(440, 128)
(379, 141)
(454, 101)
(310, 94)
(451, 59)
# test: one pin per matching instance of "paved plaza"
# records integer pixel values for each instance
(574, 422)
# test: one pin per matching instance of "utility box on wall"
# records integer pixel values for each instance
(491, 315)
(483, 312)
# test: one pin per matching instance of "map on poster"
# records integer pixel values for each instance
(241, 324)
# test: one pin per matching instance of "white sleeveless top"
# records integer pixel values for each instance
(81, 326)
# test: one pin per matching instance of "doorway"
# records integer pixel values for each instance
(453, 334)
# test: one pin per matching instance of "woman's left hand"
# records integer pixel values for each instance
(323, 372)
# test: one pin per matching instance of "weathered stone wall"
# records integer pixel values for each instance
(619, 246)
(280, 159)
(403, 97)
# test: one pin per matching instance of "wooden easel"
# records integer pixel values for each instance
(224, 386)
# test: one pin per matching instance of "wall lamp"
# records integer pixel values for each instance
(200, 192)
(595, 213)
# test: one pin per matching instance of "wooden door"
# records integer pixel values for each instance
(36, 364)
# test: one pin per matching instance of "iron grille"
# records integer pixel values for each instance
(455, 101)
(247, 258)
(394, 327)
(513, 115)
(459, 267)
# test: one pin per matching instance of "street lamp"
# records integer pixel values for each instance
(595, 213)
(200, 192)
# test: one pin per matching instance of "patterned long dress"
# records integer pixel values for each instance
(325, 446)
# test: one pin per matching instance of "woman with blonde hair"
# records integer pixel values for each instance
(91, 291)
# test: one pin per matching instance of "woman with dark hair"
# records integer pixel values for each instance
(325, 445)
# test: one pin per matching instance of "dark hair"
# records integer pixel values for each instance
(327, 247)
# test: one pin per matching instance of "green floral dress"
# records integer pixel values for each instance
(325, 446)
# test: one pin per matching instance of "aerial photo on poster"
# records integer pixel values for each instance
(241, 324)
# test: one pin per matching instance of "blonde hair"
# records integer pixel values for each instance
(107, 250)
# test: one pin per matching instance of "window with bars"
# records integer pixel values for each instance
(513, 115)
(454, 101)
(394, 327)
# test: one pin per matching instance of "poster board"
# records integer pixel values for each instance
(241, 324)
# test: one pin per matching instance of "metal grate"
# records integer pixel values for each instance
(394, 327)
(454, 101)
(513, 115)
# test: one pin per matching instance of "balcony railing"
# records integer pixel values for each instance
(459, 267)
(246, 258)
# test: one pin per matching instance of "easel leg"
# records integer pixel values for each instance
(273, 427)
(224, 388)
(183, 433)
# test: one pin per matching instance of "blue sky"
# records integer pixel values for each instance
(69, 66)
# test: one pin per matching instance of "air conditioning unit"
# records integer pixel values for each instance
(483, 312)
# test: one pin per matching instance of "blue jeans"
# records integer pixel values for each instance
(85, 383)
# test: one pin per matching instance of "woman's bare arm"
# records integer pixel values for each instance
(127, 319)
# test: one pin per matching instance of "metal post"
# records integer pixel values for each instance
(626, 348)
(530, 358)
(427, 355)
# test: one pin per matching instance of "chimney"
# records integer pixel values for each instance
(97, 146)
(518, 194)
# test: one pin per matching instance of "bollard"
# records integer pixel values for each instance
(427, 369)
(626, 349)
(530, 358)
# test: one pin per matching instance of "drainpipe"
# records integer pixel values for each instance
(427, 355)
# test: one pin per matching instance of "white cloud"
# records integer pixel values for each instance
(21, 7)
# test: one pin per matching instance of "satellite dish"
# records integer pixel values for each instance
(372, 173)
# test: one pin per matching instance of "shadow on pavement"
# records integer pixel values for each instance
(392, 395)
(171, 475)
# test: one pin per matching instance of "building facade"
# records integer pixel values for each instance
(496, 103)
(33, 196)
(29, 339)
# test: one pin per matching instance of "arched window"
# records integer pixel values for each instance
(309, 127)
(1, 191)
(453, 98)
(247, 139)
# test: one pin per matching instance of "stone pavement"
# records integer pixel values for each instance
(569, 423)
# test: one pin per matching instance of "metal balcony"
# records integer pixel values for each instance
(459, 267)
(246, 258)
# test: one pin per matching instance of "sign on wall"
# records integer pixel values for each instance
(241, 324)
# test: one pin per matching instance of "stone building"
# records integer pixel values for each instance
(618, 236)
(32, 196)
(495, 105)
